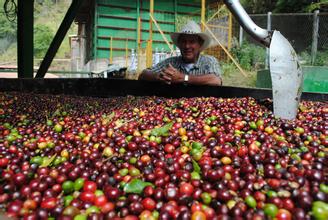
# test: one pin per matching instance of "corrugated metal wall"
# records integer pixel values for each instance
(119, 19)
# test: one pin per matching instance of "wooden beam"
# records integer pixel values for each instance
(163, 35)
(203, 15)
(189, 5)
(58, 39)
(149, 51)
(25, 38)
(128, 29)
(156, 11)
(132, 19)
(129, 39)
(111, 51)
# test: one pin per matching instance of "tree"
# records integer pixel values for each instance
(289, 6)
(319, 5)
(7, 31)
(282, 6)
(43, 36)
(258, 6)
(7, 28)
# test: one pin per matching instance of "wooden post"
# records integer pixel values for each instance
(150, 40)
(175, 15)
(126, 52)
(138, 43)
(111, 51)
(315, 36)
(230, 31)
(161, 32)
(138, 26)
(25, 38)
(149, 54)
(95, 41)
(203, 15)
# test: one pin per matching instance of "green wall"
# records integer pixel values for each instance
(315, 79)
(118, 19)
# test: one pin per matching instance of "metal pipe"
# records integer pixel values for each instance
(259, 34)
(315, 36)
(269, 24)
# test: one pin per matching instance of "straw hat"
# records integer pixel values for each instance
(192, 28)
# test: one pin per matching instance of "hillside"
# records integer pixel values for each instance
(44, 30)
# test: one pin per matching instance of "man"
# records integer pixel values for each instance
(191, 67)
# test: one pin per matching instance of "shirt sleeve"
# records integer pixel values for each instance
(214, 66)
(161, 65)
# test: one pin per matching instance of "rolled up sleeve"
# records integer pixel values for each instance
(214, 66)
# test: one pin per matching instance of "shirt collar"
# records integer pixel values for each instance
(196, 65)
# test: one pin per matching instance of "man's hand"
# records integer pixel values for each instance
(164, 78)
(172, 75)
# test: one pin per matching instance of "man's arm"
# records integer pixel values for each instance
(207, 79)
(177, 77)
(149, 75)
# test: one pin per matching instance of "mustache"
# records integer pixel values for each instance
(186, 51)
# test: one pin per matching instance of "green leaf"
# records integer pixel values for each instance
(119, 123)
(108, 118)
(47, 161)
(162, 131)
(136, 186)
(196, 145)
(56, 113)
(196, 166)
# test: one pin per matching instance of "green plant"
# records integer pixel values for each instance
(182, 20)
(317, 6)
(292, 5)
(43, 36)
(249, 56)
(227, 68)
(321, 58)
(7, 31)
(7, 28)
(54, 9)
(231, 76)
(305, 58)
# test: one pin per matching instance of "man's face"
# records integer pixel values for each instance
(189, 46)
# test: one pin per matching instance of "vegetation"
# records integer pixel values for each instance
(249, 55)
(258, 6)
(44, 30)
(7, 32)
(42, 38)
(231, 76)
(318, 5)
(292, 5)
(320, 60)
(282, 6)
(251, 58)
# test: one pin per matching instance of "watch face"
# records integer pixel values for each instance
(186, 78)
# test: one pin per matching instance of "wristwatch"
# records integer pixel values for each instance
(186, 79)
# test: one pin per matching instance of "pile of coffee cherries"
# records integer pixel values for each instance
(69, 157)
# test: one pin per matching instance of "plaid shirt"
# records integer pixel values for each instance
(205, 65)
